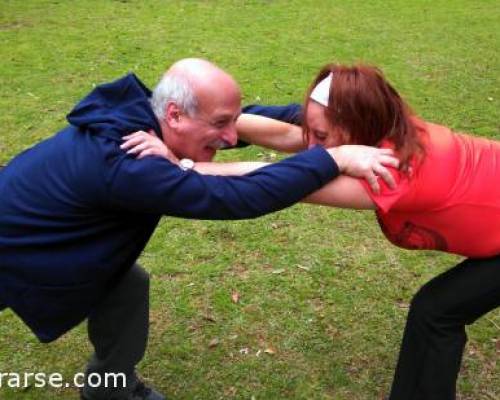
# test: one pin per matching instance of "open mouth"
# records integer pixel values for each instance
(218, 144)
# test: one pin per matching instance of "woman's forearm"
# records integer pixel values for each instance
(343, 192)
(270, 133)
(236, 168)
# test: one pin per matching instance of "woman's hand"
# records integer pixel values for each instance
(143, 144)
(366, 162)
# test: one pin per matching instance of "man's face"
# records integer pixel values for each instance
(198, 137)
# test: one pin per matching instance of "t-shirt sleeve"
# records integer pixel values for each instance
(389, 198)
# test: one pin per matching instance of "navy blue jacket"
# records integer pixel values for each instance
(76, 211)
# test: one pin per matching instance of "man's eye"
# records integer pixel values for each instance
(220, 124)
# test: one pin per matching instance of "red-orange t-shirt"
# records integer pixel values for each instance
(450, 202)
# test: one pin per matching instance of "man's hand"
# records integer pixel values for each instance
(366, 162)
(143, 144)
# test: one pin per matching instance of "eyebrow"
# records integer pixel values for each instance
(226, 117)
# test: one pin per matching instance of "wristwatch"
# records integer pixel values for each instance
(186, 164)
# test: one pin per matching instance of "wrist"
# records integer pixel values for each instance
(337, 154)
(186, 164)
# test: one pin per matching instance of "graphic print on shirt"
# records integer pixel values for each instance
(414, 237)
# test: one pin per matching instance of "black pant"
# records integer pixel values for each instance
(434, 337)
(118, 329)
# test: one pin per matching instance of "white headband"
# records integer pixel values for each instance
(321, 92)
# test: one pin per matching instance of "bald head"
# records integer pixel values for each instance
(193, 84)
(198, 71)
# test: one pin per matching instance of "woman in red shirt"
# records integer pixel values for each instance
(445, 199)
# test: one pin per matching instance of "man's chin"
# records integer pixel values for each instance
(206, 155)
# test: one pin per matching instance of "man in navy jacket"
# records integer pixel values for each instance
(76, 210)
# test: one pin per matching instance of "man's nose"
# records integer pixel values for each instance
(230, 134)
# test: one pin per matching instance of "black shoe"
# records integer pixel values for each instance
(140, 392)
(143, 392)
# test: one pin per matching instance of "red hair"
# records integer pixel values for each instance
(365, 106)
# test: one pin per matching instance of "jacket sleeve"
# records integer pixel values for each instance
(154, 185)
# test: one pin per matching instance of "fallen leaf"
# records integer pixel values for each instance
(209, 318)
(278, 271)
(214, 342)
(235, 297)
(403, 305)
(304, 268)
(270, 351)
(231, 391)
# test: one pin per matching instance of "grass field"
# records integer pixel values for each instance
(322, 295)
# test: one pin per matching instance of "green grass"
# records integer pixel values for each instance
(334, 314)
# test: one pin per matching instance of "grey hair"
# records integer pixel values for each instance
(176, 88)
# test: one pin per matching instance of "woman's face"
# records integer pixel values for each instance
(320, 130)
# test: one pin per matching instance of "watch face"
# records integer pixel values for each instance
(186, 164)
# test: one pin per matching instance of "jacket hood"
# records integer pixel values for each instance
(116, 108)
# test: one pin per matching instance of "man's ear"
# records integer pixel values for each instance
(172, 114)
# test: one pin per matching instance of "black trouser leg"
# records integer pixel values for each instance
(434, 338)
(118, 330)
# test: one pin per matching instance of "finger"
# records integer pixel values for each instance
(389, 160)
(132, 142)
(128, 144)
(373, 182)
(137, 149)
(386, 175)
(135, 135)
(389, 152)
(145, 153)
(135, 140)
